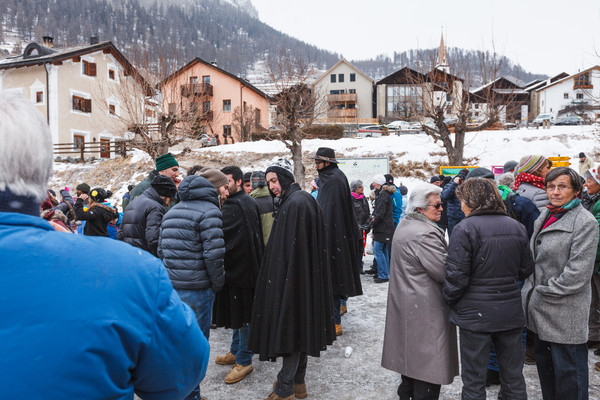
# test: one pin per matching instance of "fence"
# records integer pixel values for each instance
(105, 148)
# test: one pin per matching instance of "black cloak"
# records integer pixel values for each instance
(244, 247)
(341, 231)
(293, 303)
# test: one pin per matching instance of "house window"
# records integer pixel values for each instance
(336, 91)
(78, 141)
(352, 91)
(88, 68)
(226, 130)
(579, 96)
(333, 78)
(340, 77)
(150, 113)
(111, 74)
(194, 80)
(565, 95)
(112, 110)
(352, 77)
(583, 80)
(206, 106)
(226, 105)
(81, 104)
(39, 97)
(476, 106)
(193, 107)
(206, 79)
(257, 116)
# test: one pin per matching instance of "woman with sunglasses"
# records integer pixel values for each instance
(557, 297)
(419, 341)
(488, 254)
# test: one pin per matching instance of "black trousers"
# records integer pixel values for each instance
(292, 372)
(474, 355)
(414, 389)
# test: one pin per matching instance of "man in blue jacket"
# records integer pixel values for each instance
(74, 323)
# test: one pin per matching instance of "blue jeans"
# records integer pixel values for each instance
(201, 301)
(563, 370)
(382, 256)
(239, 346)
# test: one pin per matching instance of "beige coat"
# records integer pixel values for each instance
(419, 340)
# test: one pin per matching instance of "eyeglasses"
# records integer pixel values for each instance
(436, 206)
(561, 188)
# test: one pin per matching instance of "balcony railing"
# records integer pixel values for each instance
(342, 113)
(341, 98)
(196, 89)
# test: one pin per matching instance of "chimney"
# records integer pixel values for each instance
(94, 39)
(48, 41)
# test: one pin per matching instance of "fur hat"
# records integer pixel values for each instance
(283, 167)
(532, 163)
(379, 179)
(84, 187)
(166, 161)
(214, 176)
(480, 173)
(164, 186)
(257, 179)
(99, 195)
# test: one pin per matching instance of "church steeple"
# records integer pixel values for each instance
(442, 58)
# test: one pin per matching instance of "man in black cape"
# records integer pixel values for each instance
(243, 236)
(292, 315)
(341, 231)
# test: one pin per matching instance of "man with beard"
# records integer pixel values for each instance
(292, 314)
(341, 231)
(243, 255)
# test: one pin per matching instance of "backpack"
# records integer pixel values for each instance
(508, 203)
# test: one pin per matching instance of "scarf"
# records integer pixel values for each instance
(357, 196)
(556, 212)
(534, 180)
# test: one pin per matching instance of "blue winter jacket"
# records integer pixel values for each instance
(397, 206)
(90, 318)
(455, 213)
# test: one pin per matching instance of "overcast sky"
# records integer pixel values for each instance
(547, 37)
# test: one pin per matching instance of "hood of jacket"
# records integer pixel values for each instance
(388, 187)
(195, 187)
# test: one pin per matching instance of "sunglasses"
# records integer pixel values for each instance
(436, 206)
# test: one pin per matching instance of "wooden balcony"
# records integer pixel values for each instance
(585, 85)
(196, 89)
(342, 113)
(341, 98)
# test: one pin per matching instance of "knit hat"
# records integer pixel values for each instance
(214, 176)
(166, 161)
(480, 173)
(247, 177)
(509, 166)
(356, 184)
(99, 195)
(283, 167)
(84, 187)
(581, 155)
(403, 190)
(531, 163)
(434, 178)
(257, 179)
(164, 186)
(389, 178)
(379, 179)
(592, 174)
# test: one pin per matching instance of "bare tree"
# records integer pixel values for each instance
(294, 105)
(244, 122)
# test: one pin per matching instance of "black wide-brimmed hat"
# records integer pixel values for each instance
(325, 154)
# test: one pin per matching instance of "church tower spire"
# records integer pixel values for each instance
(442, 58)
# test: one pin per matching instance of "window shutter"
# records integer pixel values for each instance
(88, 105)
(92, 69)
(74, 103)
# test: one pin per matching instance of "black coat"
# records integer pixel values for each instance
(191, 241)
(140, 226)
(487, 256)
(243, 254)
(383, 217)
(97, 218)
(341, 231)
(293, 303)
(523, 210)
(361, 210)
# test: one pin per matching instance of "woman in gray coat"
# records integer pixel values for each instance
(556, 298)
(419, 342)
(529, 179)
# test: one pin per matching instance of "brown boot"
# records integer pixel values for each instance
(299, 390)
(237, 373)
(343, 310)
(273, 396)
(227, 359)
(338, 330)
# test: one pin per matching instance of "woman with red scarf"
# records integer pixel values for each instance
(529, 179)
(556, 298)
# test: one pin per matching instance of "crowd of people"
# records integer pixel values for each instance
(512, 261)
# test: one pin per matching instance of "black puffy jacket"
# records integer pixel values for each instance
(487, 256)
(97, 217)
(140, 226)
(455, 213)
(191, 241)
(383, 214)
